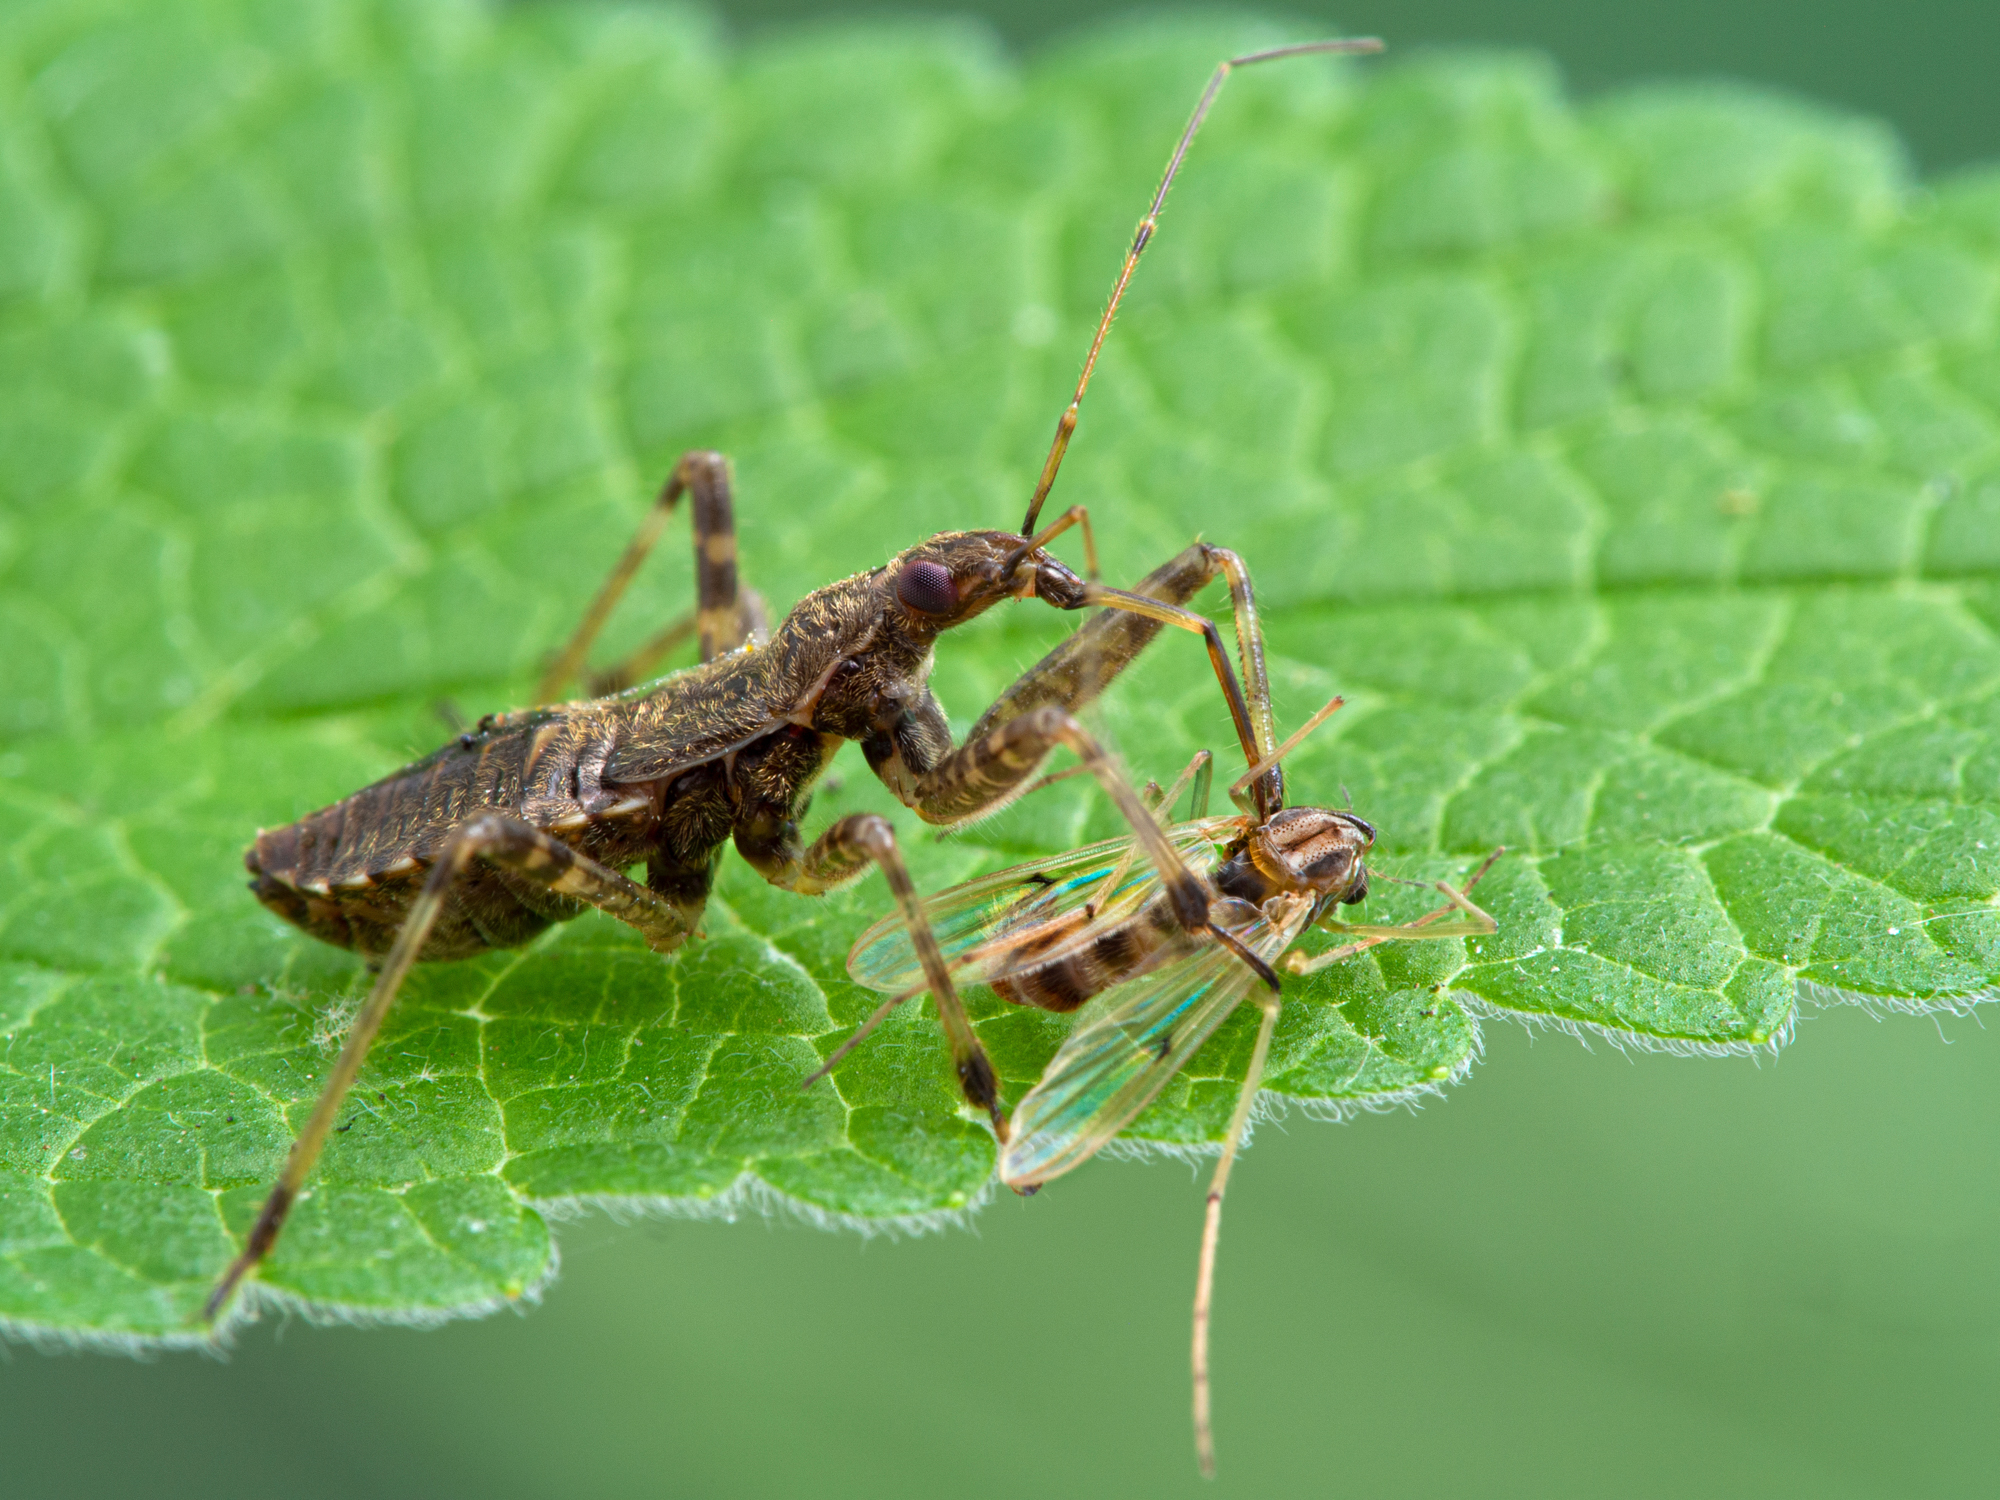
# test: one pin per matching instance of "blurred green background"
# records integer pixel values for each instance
(1583, 1274)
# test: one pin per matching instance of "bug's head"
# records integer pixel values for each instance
(952, 577)
(1316, 850)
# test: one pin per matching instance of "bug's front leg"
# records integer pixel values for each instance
(498, 839)
(1084, 665)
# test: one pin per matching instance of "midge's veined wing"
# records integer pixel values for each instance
(1136, 1036)
(975, 922)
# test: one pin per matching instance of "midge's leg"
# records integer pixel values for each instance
(1012, 750)
(1211, 1229)
(512, 845)
(1239, 1120)
(724, 617)
(1475, 923)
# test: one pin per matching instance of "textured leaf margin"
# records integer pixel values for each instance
(1630, 469)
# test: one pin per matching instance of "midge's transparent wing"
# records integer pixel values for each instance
(1136, 1036)
(979, 924)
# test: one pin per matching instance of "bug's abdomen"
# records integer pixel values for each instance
(1061, 984)
(348, 873)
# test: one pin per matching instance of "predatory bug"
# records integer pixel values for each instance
(531, 817)
(1098, 924)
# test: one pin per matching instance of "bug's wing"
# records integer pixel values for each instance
(974, 922)
(1137, 1036)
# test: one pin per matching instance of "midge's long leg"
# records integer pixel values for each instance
(1476, 923)
(1211, 1229)
(499, 840)
(721, 618)
(1015, 749)
(1239, 1119)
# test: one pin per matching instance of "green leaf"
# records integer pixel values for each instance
(1634, 471)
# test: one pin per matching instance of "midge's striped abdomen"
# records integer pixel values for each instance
(1111, 952)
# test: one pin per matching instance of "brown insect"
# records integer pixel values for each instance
(530, 818)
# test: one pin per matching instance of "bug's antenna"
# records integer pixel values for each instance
(1145, 233)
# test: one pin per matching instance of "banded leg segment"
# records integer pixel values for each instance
(724, 617)
(1082, 667)
(844, 852)
(987, 771)
(511, 845)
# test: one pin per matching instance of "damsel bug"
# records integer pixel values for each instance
(531, 817)
(1099, 923)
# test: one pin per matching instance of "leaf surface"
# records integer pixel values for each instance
(1634, 471)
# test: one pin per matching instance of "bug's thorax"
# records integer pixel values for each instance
(1306, 851)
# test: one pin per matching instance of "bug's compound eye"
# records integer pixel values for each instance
(1359, 893)
(927, 588)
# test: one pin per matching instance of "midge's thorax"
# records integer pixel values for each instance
(1312, 851)
(663, 775)
(1308, 851)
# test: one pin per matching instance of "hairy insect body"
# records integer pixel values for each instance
(663, 776)
(348, 873)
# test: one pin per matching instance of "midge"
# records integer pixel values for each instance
(530, 818)
(1101, 925)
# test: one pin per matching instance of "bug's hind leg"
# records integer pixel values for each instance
(512, 845)
(725, 615)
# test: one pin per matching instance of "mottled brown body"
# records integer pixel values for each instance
(725, 750)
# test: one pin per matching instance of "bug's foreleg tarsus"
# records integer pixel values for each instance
(498, 839)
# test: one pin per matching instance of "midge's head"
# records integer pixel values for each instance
(1306, 851)
(958, 574)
